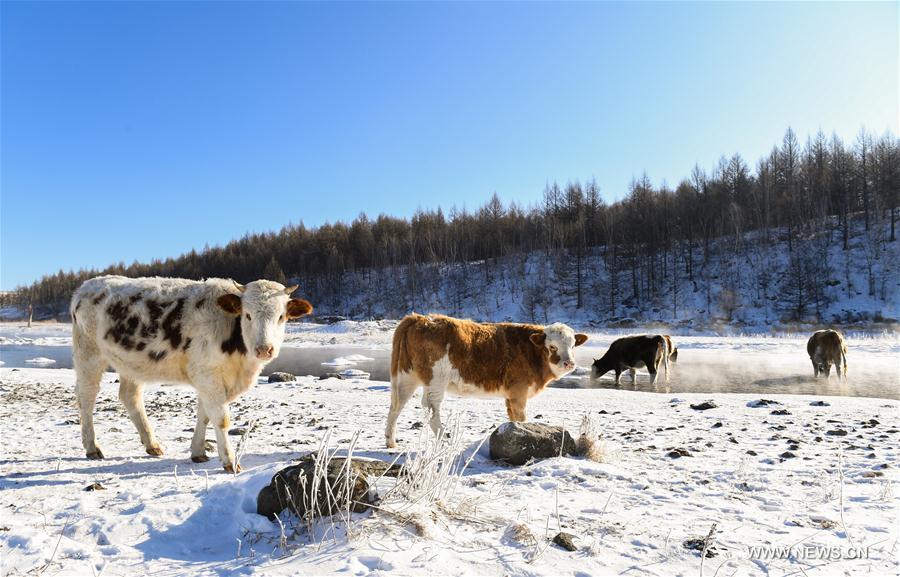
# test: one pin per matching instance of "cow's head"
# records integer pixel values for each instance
(599, 368)
(264, 307)
(558, 342)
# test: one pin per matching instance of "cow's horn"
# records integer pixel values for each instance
(290, 290)
(238, 285)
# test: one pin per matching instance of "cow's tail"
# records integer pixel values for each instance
(401, 360)
(665, 347)
(844, 363)
(79, 313)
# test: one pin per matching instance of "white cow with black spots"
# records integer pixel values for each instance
(215, 335)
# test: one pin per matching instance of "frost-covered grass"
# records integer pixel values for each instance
(631, 513)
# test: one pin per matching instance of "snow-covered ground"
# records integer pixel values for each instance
(764, 480)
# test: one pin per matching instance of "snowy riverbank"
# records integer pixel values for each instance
(764, 479)
(377, 334)
(764, 364)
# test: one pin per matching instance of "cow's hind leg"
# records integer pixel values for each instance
(89, 367)
(633, 372)
(432, 397)
(652, 368)
(198, 443)
(132, 396)
(402, 388)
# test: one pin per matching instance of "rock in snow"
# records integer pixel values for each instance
(281, 378)
(518, 443)
(705, 405)
(762, 403)
(566, 541)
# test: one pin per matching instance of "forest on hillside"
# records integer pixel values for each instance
(798, 203)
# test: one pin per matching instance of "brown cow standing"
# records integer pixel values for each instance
(511, 361)
(826, 348)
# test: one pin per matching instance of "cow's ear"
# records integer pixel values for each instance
(297, 308)
(229, 303)
(538, 339)
(580, 338)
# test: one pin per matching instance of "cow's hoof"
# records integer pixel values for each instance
(96, 455)
(155, 451)
(199, 458)
(233, 469)
(391, 444)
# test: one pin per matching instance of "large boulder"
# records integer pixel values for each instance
(518, 443)
(298, 489)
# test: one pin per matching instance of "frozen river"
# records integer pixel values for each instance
(706, 364)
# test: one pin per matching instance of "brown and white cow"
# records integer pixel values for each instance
(215, 335)
(505, 360)
(673, 350)
(826, 348)
(633, 353)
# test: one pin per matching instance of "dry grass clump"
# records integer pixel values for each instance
(518, 532)
(590, 443)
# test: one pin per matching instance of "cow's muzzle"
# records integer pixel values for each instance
(265, 352)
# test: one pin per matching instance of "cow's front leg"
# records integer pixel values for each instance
(515, 408)
(618, 375)
(198, 443)
(218, 414)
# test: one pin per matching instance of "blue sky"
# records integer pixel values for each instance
(137, 130)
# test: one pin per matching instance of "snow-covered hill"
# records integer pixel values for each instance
(743, 285)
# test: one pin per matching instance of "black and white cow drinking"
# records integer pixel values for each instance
(633, 353)
(215, 335)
